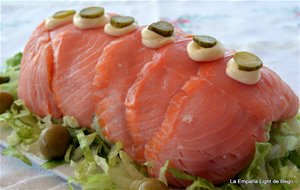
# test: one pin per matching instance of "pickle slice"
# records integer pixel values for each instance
(92, 12)
(205, 41)
(247, 61)
(63, 14)
(121, 21)
(163, 28)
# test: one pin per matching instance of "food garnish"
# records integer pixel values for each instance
(205, 48)
(120, 25)
(63, 14)
(59, 18)
(54, 141)
(163, 28)
(205, 41)
(244, 67)
(158, 34)
(121, 21)
(91, 17)
(92, 12)
(247, 61)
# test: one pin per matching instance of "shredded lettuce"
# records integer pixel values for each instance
(12, 69)
(201, 184)
(84, 146)
(70, 121)
(162, 172)
(26, 126)
(50, 164)
(294, 157)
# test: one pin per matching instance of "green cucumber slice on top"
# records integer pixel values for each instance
(63, 14)
(92, 12)
(205, 41)
(121, 21)
(163, 28)
(247, 61)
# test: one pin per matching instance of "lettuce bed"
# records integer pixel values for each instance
(97, 164)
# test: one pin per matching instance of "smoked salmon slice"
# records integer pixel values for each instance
(76, 53)
(206, 133)
(116, 71)
(148, 98)
(271, 99)
(36, 75)
(213, 122)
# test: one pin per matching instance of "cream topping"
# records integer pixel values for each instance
(199, 54)
(52, 23)
(87, 23)
(114, 31)
(246, 77)
(153, 40)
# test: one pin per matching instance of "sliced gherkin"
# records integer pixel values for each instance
(92, 12)
(205, 41)
(63, 14)
(121, 21)
(163, 28)
(247, 61)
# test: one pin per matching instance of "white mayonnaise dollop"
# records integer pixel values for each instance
(114, 31)
(153, 40)
(246, 77)
(87, 23)
(52, 23)
(198, 53)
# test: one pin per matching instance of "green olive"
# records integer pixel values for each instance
(6, 100)
(92, 12)
(205, 41)
(153, 184)
(247, 61)
(4, 80)
(163, 28)
(121, 21)
(63, 14)
(54, 142)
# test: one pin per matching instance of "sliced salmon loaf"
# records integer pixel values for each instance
(116, 71)
(122, 62)
(147, 99)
